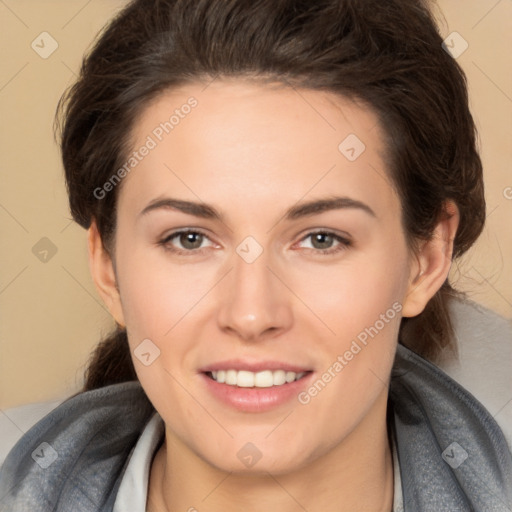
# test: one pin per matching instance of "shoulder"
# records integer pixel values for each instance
(484, 365)
(452, 429)
(76, 454)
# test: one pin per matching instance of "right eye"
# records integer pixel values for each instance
(190, 241)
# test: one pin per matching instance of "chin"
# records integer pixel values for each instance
(260, 457)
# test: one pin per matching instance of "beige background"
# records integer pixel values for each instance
(51, 316)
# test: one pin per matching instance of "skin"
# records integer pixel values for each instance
(252, 151)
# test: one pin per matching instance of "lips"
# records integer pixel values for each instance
(249, 386)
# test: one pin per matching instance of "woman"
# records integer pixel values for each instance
(274, 192)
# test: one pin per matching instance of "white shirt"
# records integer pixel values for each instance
(132, 494)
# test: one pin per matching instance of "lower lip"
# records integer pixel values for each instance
(256, 399)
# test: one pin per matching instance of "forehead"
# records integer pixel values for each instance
(255, 140)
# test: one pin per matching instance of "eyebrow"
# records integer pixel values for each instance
(298, 211)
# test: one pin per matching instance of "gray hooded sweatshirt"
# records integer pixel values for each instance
(453, 456)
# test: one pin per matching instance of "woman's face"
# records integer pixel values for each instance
(296, 261)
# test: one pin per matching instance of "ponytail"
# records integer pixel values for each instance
(110, 362)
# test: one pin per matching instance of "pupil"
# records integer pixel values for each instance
(324, 239)
(187, 240)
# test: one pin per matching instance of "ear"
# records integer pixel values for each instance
(103, 273)
(432, 262)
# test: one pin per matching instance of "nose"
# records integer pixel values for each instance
(254, 303)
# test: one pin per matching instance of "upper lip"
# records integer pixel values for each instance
(254, 366)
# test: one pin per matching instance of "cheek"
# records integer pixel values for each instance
(351, 295)
(357, 356)
(155, 294)
(357, 306)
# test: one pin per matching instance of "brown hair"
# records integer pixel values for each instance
(388, 55)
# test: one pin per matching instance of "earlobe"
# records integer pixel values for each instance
(432, 263)
(103, 274)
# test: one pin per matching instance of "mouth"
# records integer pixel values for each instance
(261, 379)
(252, 387)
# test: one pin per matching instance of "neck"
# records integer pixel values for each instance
(357, 474)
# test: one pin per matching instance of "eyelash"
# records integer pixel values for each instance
(344, 243)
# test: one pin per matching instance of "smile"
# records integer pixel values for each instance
(262, 379)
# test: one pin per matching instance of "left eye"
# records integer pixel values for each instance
(323, 242)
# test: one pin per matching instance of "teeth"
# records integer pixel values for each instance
(290, 376)
(278, 377)
(231, 377)
(245, 379)
(264, 379)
